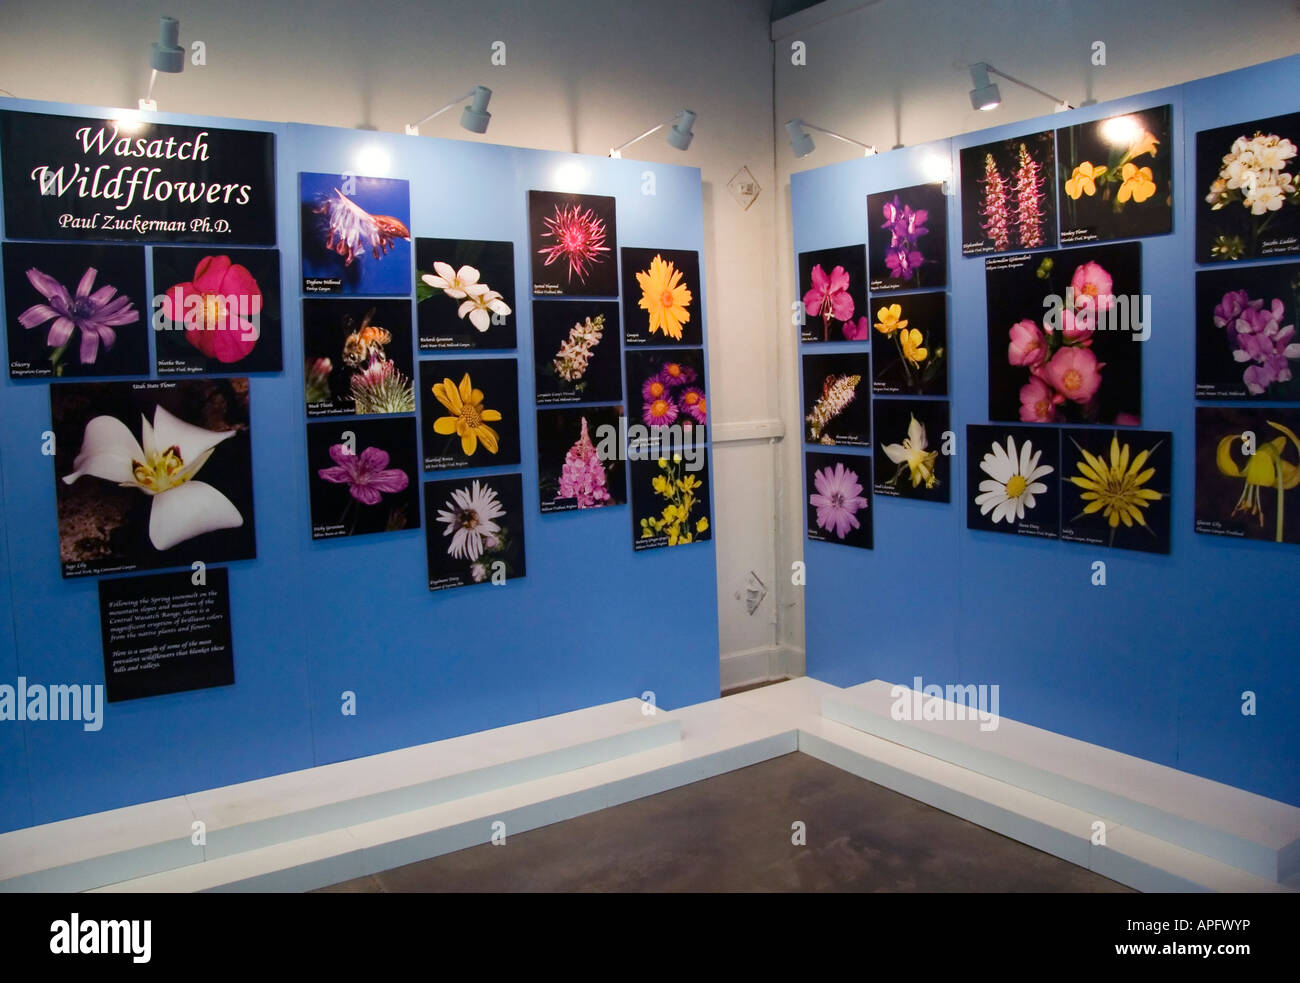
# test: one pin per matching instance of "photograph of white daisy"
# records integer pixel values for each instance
(1013, 480)
(474, 530)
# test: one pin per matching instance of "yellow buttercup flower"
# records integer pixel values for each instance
(1137, 185)
(664, 297)
(1115, 488)
(468, 418)
(890, 319)
(1084, 180)
(911, 340)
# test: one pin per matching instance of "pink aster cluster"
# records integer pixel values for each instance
(1058, 352)
(1258, 336)
(583, 475)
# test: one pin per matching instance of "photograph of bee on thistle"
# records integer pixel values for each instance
(357, 357)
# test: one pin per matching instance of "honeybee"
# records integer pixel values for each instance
(365, 343)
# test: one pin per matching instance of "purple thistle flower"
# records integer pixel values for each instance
(95, 315)
(994, 210)
(367, 474)
(1029, 197)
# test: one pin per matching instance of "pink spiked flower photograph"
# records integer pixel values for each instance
(572, 241)
(75, 310)
(579, 466)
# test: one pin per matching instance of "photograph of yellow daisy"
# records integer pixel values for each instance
(1115, 488)
(661, 297)
(469, 413)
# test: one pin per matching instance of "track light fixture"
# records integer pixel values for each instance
(984, 93)
(679, 134)
(802, 144)
(475, 117)
(165, 55)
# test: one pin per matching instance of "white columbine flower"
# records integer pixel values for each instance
(481, 305)
(1012, 481)
(162, 465)
(454, 283)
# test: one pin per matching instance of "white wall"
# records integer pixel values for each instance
(890, 72)
(579, 76)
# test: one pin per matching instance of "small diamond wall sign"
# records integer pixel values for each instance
(743, 188)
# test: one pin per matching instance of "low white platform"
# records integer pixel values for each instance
(1235, 827)
(299, 831)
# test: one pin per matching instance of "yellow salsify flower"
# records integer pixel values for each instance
(911, 340)
(1084, 180)
(1266, 468)
(890, 319)
(468, 418)
(1145, 144)
(1137, 185)
(664, 297)
(1115, 488)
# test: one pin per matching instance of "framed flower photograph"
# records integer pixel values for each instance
(837, 399)
(362, 477)
(914, 449)
(74, 311)
(1246, 344)
(151, 475)
(357, 357)
(1013, 480)
(356, 235)
(911, 344)
(662, 297)
(670, 499)
(1248, 190)
(838, 499)
(580, 459)
(1065, 335)
(469, 413)
(1115, 177)
(465, 293)
(666, 389)
(220, 311)
(1008, 195)
(907, 238)
(576, 351)
(1116, 488)
(1247, 473)
(474, 530)
(833, 289)
(573, 244)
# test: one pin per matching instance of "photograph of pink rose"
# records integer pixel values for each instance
(220, 311)
(1065, 336)
(75, 311)
(152, 474)
(1246, 344)
(833, 289)
(907, 238)
(579, 461)
(837, 494)
(361, 477)
(1115, 177)
(1008, 195)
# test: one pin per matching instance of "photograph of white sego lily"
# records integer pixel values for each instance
(162, 464)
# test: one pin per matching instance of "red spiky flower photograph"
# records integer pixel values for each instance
(573, 244)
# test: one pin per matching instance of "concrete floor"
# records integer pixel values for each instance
(733, 833)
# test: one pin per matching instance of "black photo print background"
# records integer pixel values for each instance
(438, 307)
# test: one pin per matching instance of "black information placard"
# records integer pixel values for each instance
(165, 634)
(71, 177)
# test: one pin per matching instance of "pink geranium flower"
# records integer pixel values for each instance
(367, 474)
(1075, 373)
(216, 307)
(1094, 288)
(1038, 401)
(1027, 344)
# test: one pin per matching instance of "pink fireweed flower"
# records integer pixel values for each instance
(692, 403)
(95, 315)
(829, 296)
(858, 330)
(1038, 401)
(215, 308)
(579, 236)
(1093, 288)
(583, 475)
(367, 474)
(838, 499)
(1028, 347)
(1075, 373)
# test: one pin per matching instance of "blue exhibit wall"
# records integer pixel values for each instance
(591, 622)
(1154, 663)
